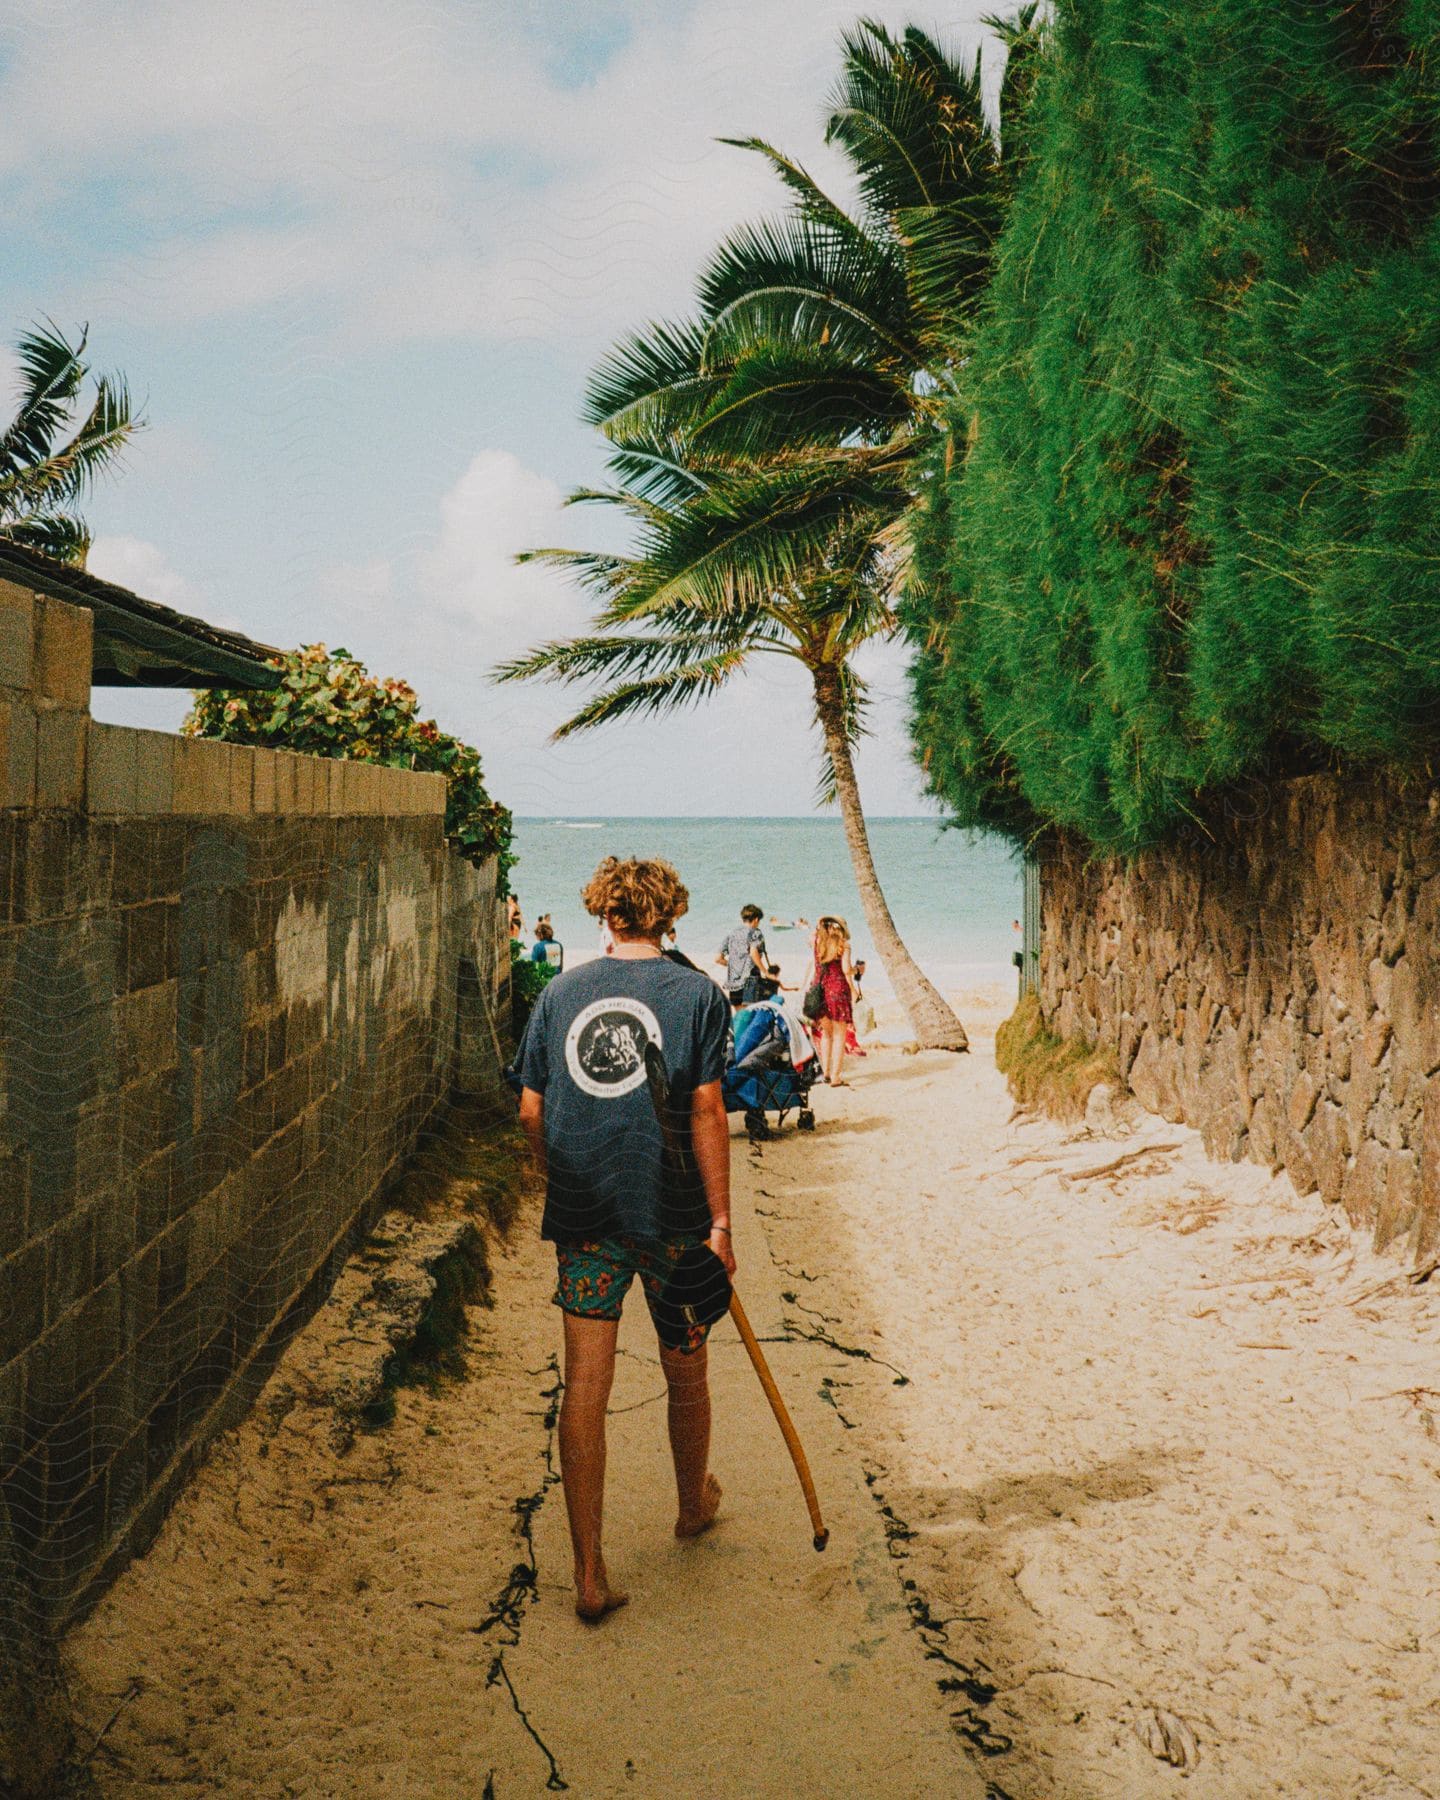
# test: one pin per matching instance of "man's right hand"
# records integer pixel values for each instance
(720, 1244)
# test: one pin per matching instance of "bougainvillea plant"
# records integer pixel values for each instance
(328, 704)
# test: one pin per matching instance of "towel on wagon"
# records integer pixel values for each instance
(770, 1034)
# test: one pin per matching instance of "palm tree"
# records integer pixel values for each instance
(767, 453)
(47, 459)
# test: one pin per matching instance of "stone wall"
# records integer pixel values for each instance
(1276, 985)
(233, 986)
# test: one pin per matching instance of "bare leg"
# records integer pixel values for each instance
(589, 1372)
(689, 1420)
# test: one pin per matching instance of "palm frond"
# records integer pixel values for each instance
(63, 474)
(650, 383)
(753, 535)
(639, 508)
(782, 398)
(949, 252)
(812, 200)
(911, 118)
(600, 572)
(52, 372)
(669, 473)
(588, 658)
(664, 692)
(59, 535)
(792, 281)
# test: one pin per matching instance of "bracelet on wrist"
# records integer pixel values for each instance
(725, 1228)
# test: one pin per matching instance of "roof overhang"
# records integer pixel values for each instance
(138, 642)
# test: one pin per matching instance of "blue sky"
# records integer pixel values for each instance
(358, 257)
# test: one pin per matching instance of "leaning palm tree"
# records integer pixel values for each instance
(667, 636)
(48, 456)
(767, 452)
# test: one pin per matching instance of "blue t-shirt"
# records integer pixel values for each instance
(584, 1050)
(736, 949)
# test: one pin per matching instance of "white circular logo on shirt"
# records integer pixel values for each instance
(605, 1046)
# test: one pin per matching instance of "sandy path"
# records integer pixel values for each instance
(1169, 1440)
(314, 1625)
(1087, 1444)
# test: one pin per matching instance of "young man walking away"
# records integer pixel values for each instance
(746, 962)
(613, 1207)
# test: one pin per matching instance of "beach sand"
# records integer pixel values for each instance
(1096, 1444)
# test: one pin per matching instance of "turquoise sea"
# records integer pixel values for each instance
(954, 894)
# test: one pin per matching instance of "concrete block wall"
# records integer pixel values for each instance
(1276, 984)
(234, 984)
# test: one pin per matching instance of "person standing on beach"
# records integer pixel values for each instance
(745, 959)
(614, 1208)
(832, 975)
(548, 948)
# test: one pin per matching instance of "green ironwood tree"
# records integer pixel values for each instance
(1189, 544)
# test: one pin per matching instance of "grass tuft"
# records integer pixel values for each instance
(473, 1159)
(1051, 1073)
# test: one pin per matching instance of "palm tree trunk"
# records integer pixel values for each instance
(932, 1020)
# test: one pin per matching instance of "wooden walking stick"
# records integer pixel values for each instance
(658, 1080)
(782, 1419)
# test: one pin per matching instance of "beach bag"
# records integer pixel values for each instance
(864, 1019)
(813, 1005)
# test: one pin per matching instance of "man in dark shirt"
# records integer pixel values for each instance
(614, 1207)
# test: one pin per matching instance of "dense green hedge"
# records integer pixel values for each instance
(1186, 529)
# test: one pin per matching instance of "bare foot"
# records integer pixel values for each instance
(595, 1599)
(690, 1525)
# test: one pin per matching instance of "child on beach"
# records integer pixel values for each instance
(864, 1012)
(775, 984)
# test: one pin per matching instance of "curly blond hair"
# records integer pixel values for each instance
(641, 894)
(832, 938)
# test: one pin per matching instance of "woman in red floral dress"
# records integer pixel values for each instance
(831, 950)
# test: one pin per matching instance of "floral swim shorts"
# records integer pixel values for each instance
(595, 1277)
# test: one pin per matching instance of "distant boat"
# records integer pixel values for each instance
(580, 824)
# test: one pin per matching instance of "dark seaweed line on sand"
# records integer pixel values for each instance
(969, 1722)
(522, 1586)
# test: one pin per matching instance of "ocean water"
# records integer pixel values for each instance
(954, 895)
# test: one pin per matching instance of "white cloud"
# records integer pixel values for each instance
(496, 509)
(412, 161)
(363, 591)
(144, 568)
